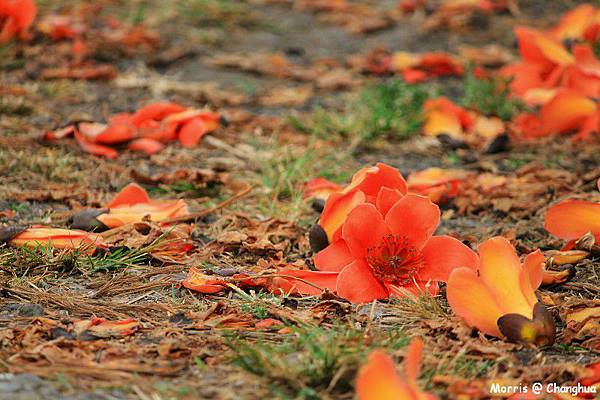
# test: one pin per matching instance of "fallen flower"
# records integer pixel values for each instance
(443, 117)
(379, 380)
(571, 219)
(55, 238)
(147, 130)
(438, 184)
(364, 187)
(200, 282)
(132, 204)
(498, 297)
(15, 18)
(101, 328)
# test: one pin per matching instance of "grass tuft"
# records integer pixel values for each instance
(313, 362)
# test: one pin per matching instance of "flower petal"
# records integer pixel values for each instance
(378, 380)
(334, 257)
(443, 254)
(363, 229)
(414, 217)
(323, 280)
(386, 198)
(357, 284)
(336, 210)
(370, 180)
(567, 111)
(471, 300)
(146, 145)
(129, 195)
(572, 219)
(191, 133)
(500, 271)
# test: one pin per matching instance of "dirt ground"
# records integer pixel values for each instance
(189, 345)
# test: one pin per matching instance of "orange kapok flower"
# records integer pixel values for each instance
(56, 238)
(443, 117)
(15, 18)
(571, 219)
(364, 187)
(498, 297)
(132, 204)
(389, 249)
(379, 380)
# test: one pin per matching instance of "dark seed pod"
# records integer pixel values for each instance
(499, 144)
(450, 142)
(223, 121)
(539, 331)
(9, 232)
(317, 238)
(318, 205)
(86, 220)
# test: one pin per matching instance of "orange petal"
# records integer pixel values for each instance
(500, 271)
(336, 210)
(386, 198)
(412, 362)
(322, 280)
(572, 219)
(378, 380)
(200, 282)
(192, 132)
(334, 257)
(116, 133)
(370, 180)
(156, 211)
(541, 49)
(363, 229)
(471, 300)
(567, 111)
(93, 148)
(148, 146)
(442, 255)
(130, 195)
(573, 24)
(57, 238)
(155, 111)
(531, 276)
(357, 284)
(414, 217)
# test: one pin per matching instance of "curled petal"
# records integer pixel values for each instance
(317, 282)
(192, 132)
(155, 111)
(200, 282)
(93, 148)
(370, 180)
(567, 111)
(145, 145)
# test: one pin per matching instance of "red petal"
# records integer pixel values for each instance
(148, 146)
(357, 284)
(93, 148)
(334, 257)
(323, 280)
(442, 255)
(192, 132)
(414, 217)
(386, 198)
(155, 111)
(129, 195)
(364, 228)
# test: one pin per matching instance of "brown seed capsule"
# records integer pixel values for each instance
(539, 331)
(86, 220)
(317, 238)
(9, 232)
